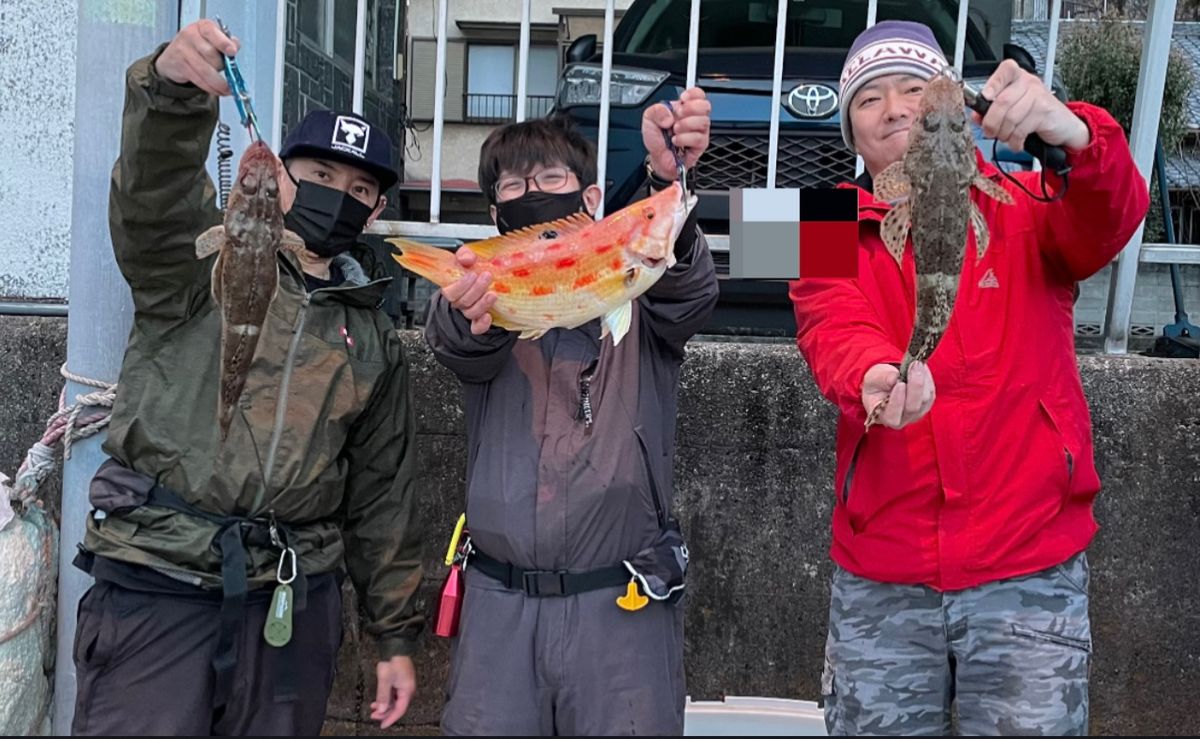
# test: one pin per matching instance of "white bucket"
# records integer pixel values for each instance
(753, 716)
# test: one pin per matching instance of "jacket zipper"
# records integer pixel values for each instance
(850, 473)
(281, 400)
(289, 364)
(585, 401)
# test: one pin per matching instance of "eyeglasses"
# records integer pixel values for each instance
(551, 179)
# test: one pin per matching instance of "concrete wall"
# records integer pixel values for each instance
(37, 116)
(460, 152)
(754, 498)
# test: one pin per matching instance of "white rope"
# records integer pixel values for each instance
(66, 426)
(105, 396)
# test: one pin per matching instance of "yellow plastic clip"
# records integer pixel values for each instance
(458, 529)
(632, 600)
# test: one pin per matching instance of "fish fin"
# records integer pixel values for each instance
(488, 248)
(434, 264)
(209, 242)
(215, 282)
(617, 321)
(982, 236)
(291, 241)
(993, 189)
(532, 333)
(892, 184)
(562, 227)
(894, 231)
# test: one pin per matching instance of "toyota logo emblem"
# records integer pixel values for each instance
(812, 101)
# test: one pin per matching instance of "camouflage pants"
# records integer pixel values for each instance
(1011, 656)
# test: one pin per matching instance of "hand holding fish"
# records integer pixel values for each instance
(561, 274)
(931, 191)
(470, 295)
(1021, 105)
(688, 120)
(195, 56)
(907, 402)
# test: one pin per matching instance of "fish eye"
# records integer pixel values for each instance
(956, 126)
(931, 125)
(649, 214)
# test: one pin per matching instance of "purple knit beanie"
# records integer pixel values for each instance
(888, 47)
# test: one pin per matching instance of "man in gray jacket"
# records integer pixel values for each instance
(569, 475)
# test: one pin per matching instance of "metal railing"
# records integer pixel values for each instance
(500, 108)
(1147, 110)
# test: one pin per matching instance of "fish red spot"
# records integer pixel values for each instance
(585, 280)
(554, 247)
(522, 272)
(604, 249)
(543, 290)
(616, 263)
(500, 287)
(565, 263)
(517, 255)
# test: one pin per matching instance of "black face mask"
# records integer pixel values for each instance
(330, 221)
(536, 207)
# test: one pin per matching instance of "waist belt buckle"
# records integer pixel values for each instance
(545, 582)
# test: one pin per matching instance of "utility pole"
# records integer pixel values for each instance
(110, 36)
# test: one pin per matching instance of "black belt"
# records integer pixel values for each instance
(543, 583)
(230, 541)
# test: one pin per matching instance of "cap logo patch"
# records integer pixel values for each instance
(350, 135)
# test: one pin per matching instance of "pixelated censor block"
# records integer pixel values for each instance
(785, 234)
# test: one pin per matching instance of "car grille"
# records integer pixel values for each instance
(739, 160)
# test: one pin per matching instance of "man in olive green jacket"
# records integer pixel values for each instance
(202, 548)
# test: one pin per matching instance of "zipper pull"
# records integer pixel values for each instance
(585, 401)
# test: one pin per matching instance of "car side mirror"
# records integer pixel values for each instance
(581, 49)
(1022, 57)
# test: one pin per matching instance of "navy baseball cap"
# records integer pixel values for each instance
(345, 138)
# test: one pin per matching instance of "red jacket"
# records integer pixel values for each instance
(997, 480)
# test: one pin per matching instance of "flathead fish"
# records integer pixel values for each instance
(245, 276)
(930, 189)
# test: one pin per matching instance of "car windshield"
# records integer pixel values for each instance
(656, 26)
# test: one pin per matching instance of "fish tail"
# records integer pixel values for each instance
(905, 364)
(225, 419)
(876, 413)
(239, 345)
(935, 300)
(434, 264)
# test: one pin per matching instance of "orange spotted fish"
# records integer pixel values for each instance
(568, 272)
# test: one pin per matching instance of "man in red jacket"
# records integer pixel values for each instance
(961, 521)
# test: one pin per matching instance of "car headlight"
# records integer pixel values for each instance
(580, 85)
